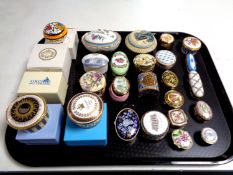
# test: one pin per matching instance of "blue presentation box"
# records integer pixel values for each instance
(50, 134)
(96, 136)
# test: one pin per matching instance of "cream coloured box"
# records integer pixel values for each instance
(71, 41)
(51, 85)
(50, 57)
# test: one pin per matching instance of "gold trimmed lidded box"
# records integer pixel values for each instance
(141, 41)
(203, 111)
(144, 62)
(182, 139)
(174, 99)
(101, 40)
(55, 32)
(155, 125)
(95, 62)
(209, 135)
(166, 40)
(50, 57)
(177, 118)
(93, 81)
(170, 79)
(50, 85)
(85, 109)
(165, 59)
(119, 63)
(191, 45)
(28, 112)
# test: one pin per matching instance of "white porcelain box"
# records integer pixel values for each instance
(50, 57)
(51, 85)
(71, 41)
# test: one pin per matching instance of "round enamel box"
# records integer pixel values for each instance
(127, 125)
(155, 125)
(119, 63)
(166, 40)
(165, 59)
(101, 40)
(144, 62)
(141, 41)
(95, 62)
(85, 109)
(28, 112)
(93, 81)
(55, 32)
(190, 45)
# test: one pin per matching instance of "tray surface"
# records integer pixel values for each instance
(142, 151)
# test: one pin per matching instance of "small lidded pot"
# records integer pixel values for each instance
(55, 33)
(174, 99)
(155, 125)
(141, 41)
(28, 113)
(148, 84)
(182, 139)
(209, 135)
(127, 125)
(96, 62)
(166, 40)
(203, 111)
(93, 81)
(190, 45)
(144, 62)
(165, 59)
(119, 89)
(85, 109)
(101, 40)
(177, 118)
(119, 63)
(170, 79)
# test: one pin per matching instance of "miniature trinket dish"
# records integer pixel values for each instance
(148, 84)
(182, 139)
(144, 62)
(101, 40)
(28, 112)
(94, 136)
(127, 125)
(196, 86)
(55, 32)
(119, 63)
(190, 45)
(170, 79)
(85, 109)
(174, 99)
(96, 62)
(50, 134)
(50, 85)
(50, 57)
(209, 135)
(155, 125)
(191, 63)
(165, 59)
(203, 111)
(177, 118)
(93, 81)
(141, 41)
(119, 89)
(166, 40)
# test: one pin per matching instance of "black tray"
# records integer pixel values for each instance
(142, 152)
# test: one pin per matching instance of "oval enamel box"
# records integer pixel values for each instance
(119, 63)
(166, 40)
(28, 112)
(101, 40)
(182, 139)
(190, 45)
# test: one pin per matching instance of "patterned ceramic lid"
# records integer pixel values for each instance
(170, 79)
(203, 110)
(92, 81)
(26, 112)
(165, 57)
(177, 117)
(167, 38)
(95, 60)
(174, 99)
(144, 60)
(127, 124)
(85, 108)
(192, 43)
(154, 123)
(120, 85)
(209, 135)
(182, 139)
(119, 60)
(54, 28)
